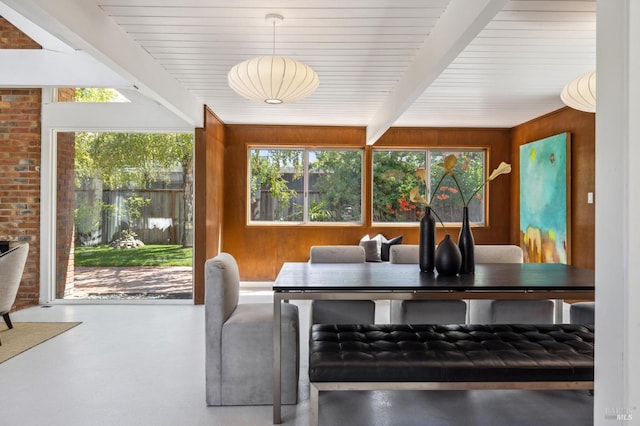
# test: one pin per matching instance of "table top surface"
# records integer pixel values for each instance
(373, 276)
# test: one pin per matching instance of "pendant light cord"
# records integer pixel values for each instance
(274, 39)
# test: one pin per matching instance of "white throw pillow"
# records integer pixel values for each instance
(373, 247)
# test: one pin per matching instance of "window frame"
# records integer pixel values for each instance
(305, 160)
(427, 151)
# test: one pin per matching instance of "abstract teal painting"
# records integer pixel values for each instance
(545, 200)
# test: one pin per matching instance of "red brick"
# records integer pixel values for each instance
(19, 183)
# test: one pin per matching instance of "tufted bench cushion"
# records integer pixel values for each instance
(451, 353)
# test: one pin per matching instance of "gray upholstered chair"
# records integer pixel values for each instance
(239, 342)
(582, 313)
(507, 311)
(11, 268)
(404, 253)
(422, 311)
(340, 311)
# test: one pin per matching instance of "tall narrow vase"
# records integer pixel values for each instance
(426, 252)
(466, 244)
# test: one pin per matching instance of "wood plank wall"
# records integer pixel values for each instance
(261, 250)
(581, 125)
(209, 199)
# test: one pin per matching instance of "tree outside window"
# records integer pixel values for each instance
(112, 170)
(394, 177)
(470, 174)
(308, 186)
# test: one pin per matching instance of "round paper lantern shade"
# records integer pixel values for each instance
(580, 94)
(273, 79)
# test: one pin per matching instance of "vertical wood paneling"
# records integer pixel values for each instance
(199, 213)
(209, 180)
(581, 125)
(261, 250)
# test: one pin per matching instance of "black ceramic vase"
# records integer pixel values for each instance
(448, 257)
(466, 244)
(427, 248)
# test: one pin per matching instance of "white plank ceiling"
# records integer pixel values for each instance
(511, 70)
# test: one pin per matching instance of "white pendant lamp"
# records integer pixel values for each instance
(580, 94)
(273, 79)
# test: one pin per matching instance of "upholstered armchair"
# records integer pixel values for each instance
(239, 342)
(11, 268)
(422, 311)
(340, 311)
(507, 311)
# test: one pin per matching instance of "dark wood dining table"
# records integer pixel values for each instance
(386, 281)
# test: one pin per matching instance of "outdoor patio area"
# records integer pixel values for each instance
(138, 282)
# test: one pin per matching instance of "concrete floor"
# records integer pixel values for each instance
(138, 365)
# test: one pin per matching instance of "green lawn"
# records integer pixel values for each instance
(149, 255)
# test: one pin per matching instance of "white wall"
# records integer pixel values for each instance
(617, 389)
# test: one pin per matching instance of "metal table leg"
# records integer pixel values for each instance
(559, 313)
(277, 321)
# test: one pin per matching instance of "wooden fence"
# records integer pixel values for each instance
(161, 221)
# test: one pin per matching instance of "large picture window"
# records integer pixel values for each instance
(305, 186)
(394, 177)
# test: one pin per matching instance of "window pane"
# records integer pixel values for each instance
(469, 174)
(90, 95)
(335, 186)
(393, 179)
(276, 185)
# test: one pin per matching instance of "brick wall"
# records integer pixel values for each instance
(65, 226)
(13, 38)
(20, 168)
(66, 95)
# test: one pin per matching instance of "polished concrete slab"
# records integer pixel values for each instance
(129, 364)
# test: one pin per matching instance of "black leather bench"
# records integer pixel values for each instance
(449, 357)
